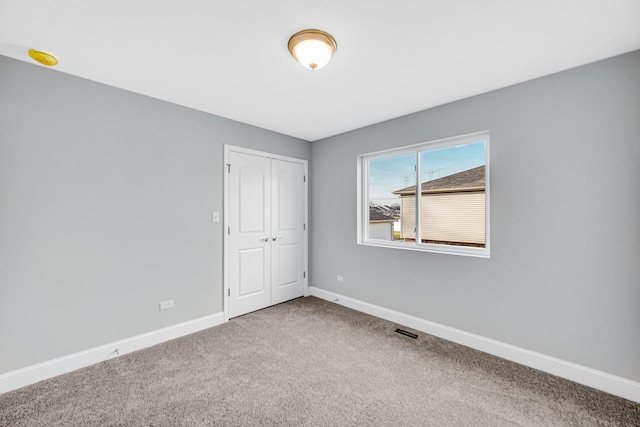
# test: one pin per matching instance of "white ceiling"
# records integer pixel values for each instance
(230, 58)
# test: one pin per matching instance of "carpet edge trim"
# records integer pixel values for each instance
(41, 371)
(609, 383)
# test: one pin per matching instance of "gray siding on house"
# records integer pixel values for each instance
(446, 217)
(453, 217)
(105, 210)
(381, 230)
(408, 217)
(452, 209)
(563, 275)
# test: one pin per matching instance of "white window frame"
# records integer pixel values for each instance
(363, 196)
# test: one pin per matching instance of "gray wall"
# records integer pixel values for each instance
(105, 202)
(105, 207)
(564, 274)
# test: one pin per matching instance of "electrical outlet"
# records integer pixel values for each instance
(340, 278)
(166, 304)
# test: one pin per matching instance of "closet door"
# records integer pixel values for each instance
(265, 235)
(249, 222)
(287, 222)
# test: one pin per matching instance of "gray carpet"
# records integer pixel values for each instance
(310, 363)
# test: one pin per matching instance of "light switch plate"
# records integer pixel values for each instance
(215, 216)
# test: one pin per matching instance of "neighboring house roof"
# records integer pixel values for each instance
(469, 180)
(378, 215)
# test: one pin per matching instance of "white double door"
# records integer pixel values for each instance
(265, 231)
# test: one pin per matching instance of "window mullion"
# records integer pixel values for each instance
(365, 199)
(418, 201)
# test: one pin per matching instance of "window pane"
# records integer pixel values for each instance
(386, 177)
(453, 195)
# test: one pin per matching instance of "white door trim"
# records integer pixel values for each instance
(227, 149)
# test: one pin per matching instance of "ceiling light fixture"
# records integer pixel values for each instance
(312, 48)
(43, 57)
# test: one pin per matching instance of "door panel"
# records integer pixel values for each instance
(252, 181)
(287, 229)
(287, 198)
(249, 219)
(288, 264)
(251, 272)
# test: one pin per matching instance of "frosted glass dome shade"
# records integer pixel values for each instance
(312, 48)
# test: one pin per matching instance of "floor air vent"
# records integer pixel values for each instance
(407, 334)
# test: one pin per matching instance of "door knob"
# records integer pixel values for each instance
(266, 239)
(277, 238)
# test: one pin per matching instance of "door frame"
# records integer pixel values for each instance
(225, 235)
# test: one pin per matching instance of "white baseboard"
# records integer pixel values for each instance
(42, 371)
(612, 384)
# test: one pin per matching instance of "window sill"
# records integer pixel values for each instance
(439, 249)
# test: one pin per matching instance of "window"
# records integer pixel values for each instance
(449, 213)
